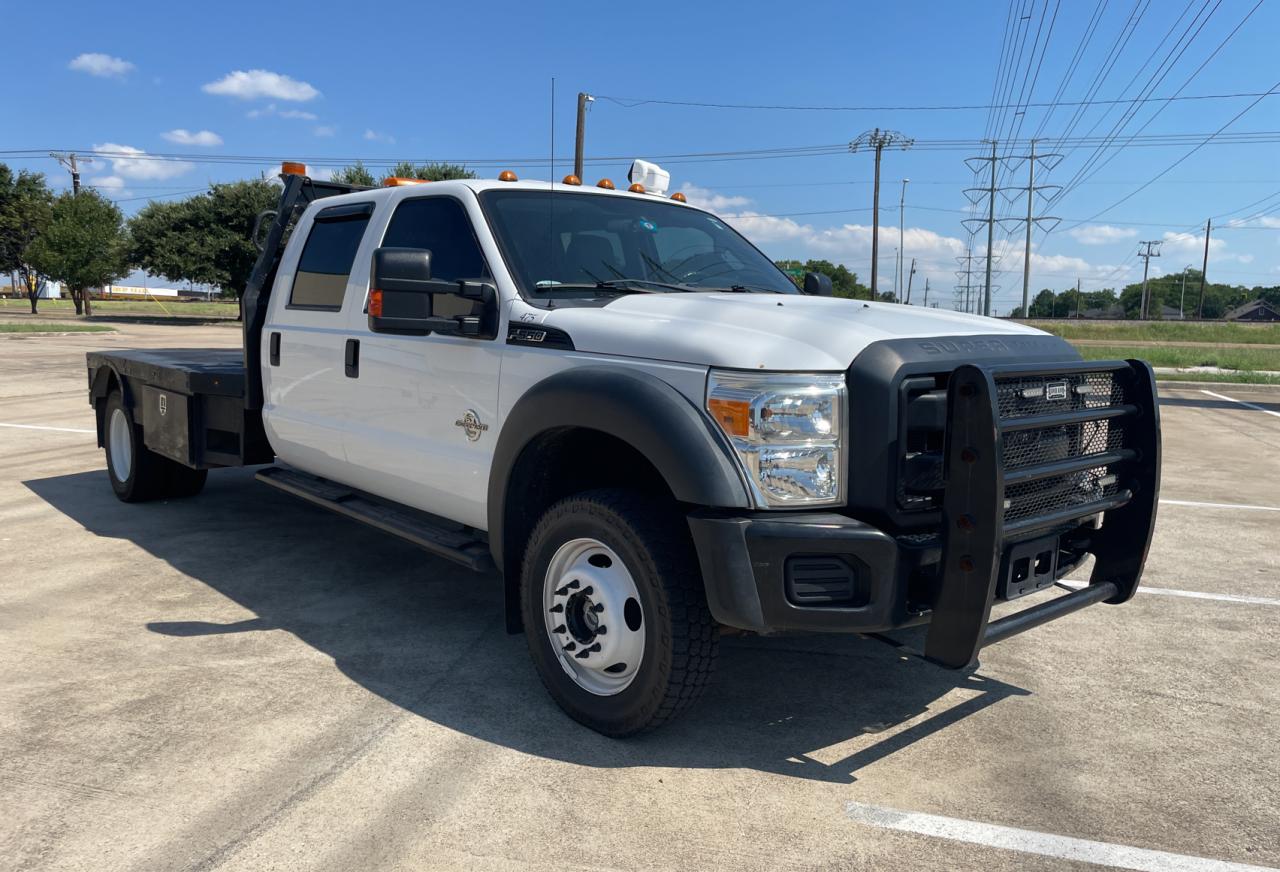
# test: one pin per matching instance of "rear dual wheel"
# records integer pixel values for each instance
(137, 473)
(614, 611)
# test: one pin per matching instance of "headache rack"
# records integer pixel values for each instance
(1032, 451)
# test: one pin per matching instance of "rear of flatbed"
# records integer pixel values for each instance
(189, 403)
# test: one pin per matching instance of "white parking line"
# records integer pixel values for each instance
(56, 429)
(1191, 594)
(1033, 842)
(1241, 402)
(1219, 505)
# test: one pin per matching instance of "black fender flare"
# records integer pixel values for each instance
(100, 388)
(678, 438)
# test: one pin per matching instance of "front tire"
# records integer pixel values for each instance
(615, 613)
(136, 472)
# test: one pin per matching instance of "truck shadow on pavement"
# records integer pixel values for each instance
(428, 637)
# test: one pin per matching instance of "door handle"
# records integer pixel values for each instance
(275, 349)
(352, 358)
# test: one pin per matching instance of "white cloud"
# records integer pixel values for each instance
(128, 162)
(324, 130)
(707, 199)
(98, 64)
(272, 110)
(258, 84)
(108, 182)
(1189, 248)
(375, 136)
(185, 137)
(1101, 234)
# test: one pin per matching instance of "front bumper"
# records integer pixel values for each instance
(763, 571)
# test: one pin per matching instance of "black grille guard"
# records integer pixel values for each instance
(975, 528)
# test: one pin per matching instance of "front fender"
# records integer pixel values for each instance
(678, 438)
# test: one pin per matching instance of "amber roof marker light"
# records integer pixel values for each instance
(571, 179)
(679, 197)
(397, 181)
(507, 176)
(606, 184)
(293, 168)
(637, 188)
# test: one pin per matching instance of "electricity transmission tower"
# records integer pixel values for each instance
(72, 162)
(878, 140)
(1044, 222)
(1146, 256)
(965, 296)
(976, 196)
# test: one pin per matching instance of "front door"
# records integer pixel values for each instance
(423, 416)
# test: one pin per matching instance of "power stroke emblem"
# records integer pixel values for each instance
(471, 425)
(164, 403)
(1055, 391)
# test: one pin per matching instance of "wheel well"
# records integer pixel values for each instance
(554, 465)
(105, 382)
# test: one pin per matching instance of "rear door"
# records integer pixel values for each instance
(305, 341)
(424, 408)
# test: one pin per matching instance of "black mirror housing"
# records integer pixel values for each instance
(817, 284)
(402, 297)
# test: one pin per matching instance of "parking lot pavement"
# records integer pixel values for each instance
(243, 681)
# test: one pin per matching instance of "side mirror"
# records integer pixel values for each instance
(402, 297)
(817, 284)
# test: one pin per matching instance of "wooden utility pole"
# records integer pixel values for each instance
(910, 279)
(877, 140)
(580, 139)
(1146, 256)
(1077, 300)
(71, 161)
(1208, 226)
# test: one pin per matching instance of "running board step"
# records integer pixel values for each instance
(440, 537)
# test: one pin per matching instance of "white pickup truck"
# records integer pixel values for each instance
(624, 408)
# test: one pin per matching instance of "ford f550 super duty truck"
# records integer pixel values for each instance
(624, 408)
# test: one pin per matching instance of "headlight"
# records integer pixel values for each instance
(787, 429)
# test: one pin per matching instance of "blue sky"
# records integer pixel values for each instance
(213, 84)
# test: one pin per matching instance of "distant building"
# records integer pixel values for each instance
(131, 292)
(1254, 310)
(1169, 313)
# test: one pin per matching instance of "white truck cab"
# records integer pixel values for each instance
(621, 404)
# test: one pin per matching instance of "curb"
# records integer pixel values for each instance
(1238, 387)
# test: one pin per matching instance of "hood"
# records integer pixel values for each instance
(757, 331)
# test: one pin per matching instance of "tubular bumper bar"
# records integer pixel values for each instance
(974, 505)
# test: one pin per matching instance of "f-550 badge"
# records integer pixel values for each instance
(471, 425)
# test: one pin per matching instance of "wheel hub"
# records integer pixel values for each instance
(593, 616)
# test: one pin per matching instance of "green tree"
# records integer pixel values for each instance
(83, 245)
(359, 174)
(25, 206)
(356, 174)
(844, 282)
(206, 239)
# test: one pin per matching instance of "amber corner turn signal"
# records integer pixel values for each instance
(375, 303)
(734, 416)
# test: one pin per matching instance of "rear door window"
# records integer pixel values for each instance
(320, 281)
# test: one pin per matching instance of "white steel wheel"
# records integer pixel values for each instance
(592, 615)
(120, 444)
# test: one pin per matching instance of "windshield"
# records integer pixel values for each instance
(562, 243)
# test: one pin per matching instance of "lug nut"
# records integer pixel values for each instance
(588, 590)
(571, 646)
(587, 652)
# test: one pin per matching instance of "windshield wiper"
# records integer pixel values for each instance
(744, 289)
(622, 286)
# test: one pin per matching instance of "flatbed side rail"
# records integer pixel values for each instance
(1099, 453)
(298, 192)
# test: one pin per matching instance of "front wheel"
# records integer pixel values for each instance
(614, 611)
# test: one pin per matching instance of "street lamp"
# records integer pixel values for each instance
(1183, 298)
(902, 252)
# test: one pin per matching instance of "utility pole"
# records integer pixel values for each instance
(975, 196)
(910, 279)
(1077, 301)
(896, 275)
(1031, 218)
(926, 288)
(71, 161)
(1208, 225)
(902, 249)
(878, 140)
(580, 139)
(1146, 256)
